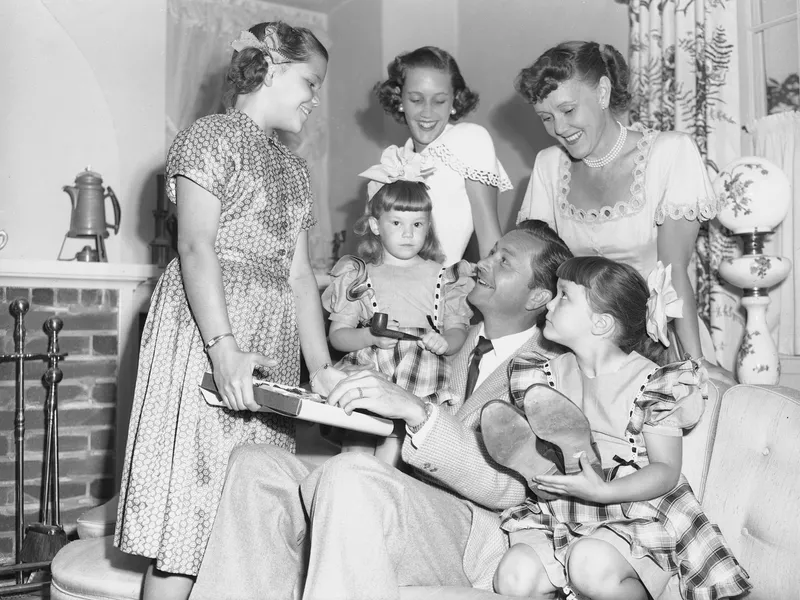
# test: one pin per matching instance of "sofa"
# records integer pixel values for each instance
(742, 459)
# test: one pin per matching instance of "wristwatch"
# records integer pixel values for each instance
(421, 424)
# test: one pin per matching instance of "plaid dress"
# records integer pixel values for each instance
(672, 530)
(352, 299)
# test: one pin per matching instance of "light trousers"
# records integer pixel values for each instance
(353, 528)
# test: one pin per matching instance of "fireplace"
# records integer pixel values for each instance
(100, 304)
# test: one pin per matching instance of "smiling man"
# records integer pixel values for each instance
(360, 529)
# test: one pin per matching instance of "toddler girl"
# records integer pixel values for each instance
(623, 519)
(400, 273)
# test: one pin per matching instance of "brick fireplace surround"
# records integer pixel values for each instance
(100, 304)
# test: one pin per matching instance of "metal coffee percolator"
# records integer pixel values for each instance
(88, 217)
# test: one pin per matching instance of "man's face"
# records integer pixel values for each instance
(504, 275)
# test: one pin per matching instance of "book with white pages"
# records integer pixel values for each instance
(301, 404)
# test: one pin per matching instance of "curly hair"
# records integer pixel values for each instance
(390, 91)
(249, 67)
(618, 290)
(407, 196)
(587, 61)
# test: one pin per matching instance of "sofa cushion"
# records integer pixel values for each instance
(753, 488)
(698, 442)
(93, 569)
(98, 521)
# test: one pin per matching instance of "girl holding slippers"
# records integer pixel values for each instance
(596, 433)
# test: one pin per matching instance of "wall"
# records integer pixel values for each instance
(492, 42)
(356, 122)
(83, 85)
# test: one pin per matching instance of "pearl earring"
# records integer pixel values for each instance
(452, 111)
(401, 109)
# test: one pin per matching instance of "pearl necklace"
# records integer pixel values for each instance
(596, 163)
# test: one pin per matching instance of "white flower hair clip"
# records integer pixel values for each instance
(270, 47)
(398, 164)
(663, 303)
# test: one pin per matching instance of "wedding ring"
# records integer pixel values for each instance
(360, 393)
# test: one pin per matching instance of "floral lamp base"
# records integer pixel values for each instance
(758, 361)
(755, 273)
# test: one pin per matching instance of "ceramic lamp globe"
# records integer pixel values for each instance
(754, 197)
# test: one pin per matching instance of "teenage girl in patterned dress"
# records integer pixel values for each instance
(400, 273)
(620, 529)
(227, 305)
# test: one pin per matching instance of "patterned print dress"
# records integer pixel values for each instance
(178, 446)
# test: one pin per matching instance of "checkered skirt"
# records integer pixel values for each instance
(415, 369)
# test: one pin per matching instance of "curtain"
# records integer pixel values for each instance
(777, 138)
(685, 77)
(199, 33)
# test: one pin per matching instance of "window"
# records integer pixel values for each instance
(770, 39)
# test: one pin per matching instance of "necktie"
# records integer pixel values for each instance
(482, 348)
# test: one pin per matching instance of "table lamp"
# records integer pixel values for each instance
(754, 196)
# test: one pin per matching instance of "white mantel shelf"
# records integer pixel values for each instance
(46, 273)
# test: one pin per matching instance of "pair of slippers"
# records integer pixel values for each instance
(546, 439)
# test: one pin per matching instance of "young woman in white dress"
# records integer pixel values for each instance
(426, 91)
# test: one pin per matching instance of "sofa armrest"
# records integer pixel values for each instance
(753, 489)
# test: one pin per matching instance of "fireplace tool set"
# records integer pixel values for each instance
(35, 545)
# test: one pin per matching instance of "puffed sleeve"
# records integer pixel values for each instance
(673, 399)
(346, 295)
(204, 154)
(541, 195)
(457, 283)
(468, 149)
(682, 178)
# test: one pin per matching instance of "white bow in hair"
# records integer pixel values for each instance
(399, 164)
(663, 304)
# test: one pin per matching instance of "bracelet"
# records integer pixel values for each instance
(316, 372)
(213, 341)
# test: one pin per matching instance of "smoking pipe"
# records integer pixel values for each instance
(378, 326)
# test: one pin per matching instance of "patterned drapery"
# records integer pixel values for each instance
(199, 33)
(685, 77)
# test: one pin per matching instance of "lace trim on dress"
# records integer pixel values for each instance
(623, 208)
(704, 209)
(451, 160)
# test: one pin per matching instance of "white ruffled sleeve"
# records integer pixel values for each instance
(541, 196)
(468, 150)
(686, 190)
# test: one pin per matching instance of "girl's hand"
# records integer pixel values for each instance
(233, 373)
(326, 380)
(383, 342)
(434, 342)
(586, 485)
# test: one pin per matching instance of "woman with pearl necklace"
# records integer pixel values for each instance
(636, 196)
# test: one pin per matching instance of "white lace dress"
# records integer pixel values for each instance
(463, 151)
(669, 180)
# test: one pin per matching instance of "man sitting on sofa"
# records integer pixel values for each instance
(357, 528)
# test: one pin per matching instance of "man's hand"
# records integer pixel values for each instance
(374, 392)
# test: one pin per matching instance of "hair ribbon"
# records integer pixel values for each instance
(270, 47)
(663, 303)
(398, 164)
